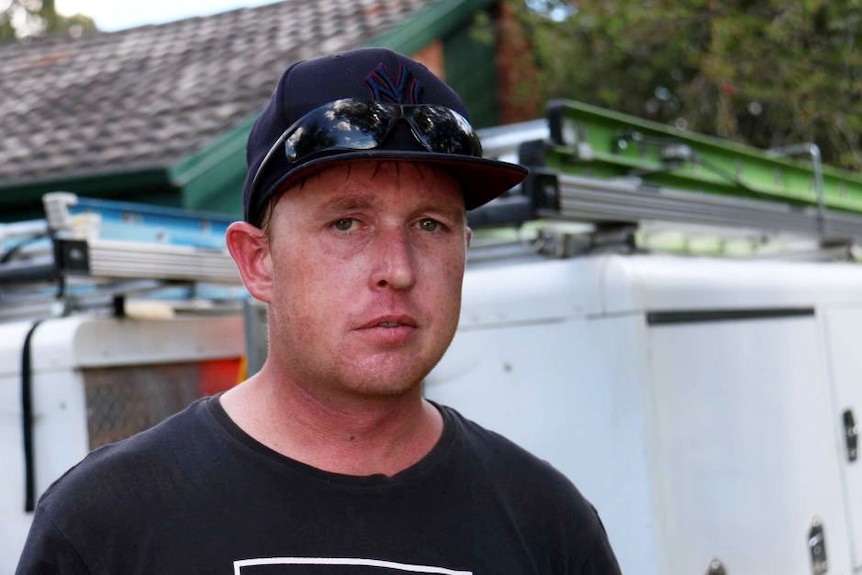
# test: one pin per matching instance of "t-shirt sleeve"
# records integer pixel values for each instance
(601, 559)
(560, 529)
(47, 551)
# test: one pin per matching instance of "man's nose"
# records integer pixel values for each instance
(394, 255)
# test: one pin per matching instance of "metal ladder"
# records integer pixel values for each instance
(89, 253)
(619, 172)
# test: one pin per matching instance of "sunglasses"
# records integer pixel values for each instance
(350, 124)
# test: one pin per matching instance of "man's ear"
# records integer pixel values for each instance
(468, 236)
(249, 247)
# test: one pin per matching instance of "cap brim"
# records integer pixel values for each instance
(481, 179)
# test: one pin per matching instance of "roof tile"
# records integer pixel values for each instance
(148, 96)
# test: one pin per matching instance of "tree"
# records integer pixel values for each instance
(766, 73)
(21, 19)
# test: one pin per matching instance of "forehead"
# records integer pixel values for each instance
(384, 181)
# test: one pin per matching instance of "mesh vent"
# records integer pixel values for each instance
(122, 401)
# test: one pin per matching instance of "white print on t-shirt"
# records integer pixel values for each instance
(246, 566)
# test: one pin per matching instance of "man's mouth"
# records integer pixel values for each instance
(390, 322)
(390, 331)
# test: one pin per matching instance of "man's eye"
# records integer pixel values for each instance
(344, 224)
(429, 225)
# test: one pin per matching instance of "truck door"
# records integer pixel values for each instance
(743, 430)
(843, 333)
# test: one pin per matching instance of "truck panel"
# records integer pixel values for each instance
(692, 400)
(97, 380)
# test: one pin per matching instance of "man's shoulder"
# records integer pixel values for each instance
(127, 469)
(122, 497)
(553, 515)
(495, 450)
(514, 469)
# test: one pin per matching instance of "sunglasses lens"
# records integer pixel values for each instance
(443, 130)
(343, 124)
(357, 125)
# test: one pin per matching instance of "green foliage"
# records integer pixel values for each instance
(767, 73)
(22, 19)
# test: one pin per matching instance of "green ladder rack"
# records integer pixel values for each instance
(600, 165)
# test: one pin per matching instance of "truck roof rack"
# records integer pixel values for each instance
(628, 179)
(594, 165)
(88, 253)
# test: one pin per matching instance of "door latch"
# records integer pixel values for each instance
(851, 435)
(817, 547)
(716, 567)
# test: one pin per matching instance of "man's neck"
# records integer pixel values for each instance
(348, 435)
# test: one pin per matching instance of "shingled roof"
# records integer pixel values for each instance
(149, 97)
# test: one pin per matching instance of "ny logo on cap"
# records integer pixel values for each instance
(402, 88)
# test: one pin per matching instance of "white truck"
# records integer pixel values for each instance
(82, 361)
(707, 408)
(706, 401)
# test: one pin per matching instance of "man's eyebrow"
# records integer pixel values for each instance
(345, 203)
(448, 215)
(450, 211)
(354, 202)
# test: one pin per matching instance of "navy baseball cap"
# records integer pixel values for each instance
(370, 103)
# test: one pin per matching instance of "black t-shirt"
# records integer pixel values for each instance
(196, 494)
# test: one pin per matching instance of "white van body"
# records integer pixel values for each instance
(700, 403)
(94, 380)
(697, 402)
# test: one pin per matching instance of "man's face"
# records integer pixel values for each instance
(367, 260)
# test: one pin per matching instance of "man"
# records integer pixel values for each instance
(329, 460)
